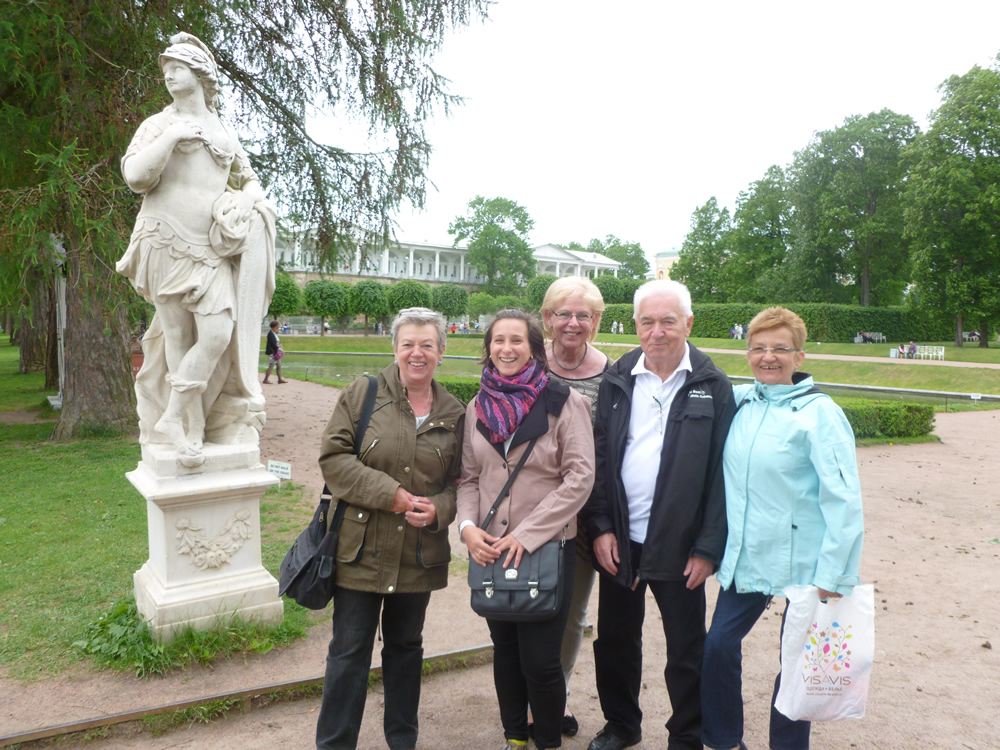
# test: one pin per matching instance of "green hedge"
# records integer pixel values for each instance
(824, 322)
(888, 419)
(464, 389)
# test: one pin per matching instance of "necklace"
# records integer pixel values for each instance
(427, 403)
(565, 367)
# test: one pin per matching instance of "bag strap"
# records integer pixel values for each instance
(506, 487)
(366, 415)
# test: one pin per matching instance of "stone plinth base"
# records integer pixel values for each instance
(204, 566)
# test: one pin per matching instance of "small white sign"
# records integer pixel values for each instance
(280, 469)
(975, 396)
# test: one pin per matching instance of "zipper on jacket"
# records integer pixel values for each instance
(441, 456)
(369, 449)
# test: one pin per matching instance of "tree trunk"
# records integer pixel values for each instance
(52, 343)
(99, 394)
(984, 333)
(32, 328)
(958, 330)
(866, 284)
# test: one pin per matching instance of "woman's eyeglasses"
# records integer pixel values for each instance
(580, 317)
(777, 351)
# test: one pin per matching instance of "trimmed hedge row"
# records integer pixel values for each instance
(888, 419)
(824, 322)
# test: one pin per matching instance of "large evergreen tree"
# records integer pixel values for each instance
(76, 79)
(953, 204)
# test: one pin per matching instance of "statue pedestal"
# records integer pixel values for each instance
(204, 566)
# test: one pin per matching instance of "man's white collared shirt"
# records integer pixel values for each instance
(647, 430)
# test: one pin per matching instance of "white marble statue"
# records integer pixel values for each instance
(202, 252)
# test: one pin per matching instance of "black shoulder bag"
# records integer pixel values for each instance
(528, 593)
(307, 572)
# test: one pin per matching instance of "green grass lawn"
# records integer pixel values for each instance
(20, 392)
(73, 531)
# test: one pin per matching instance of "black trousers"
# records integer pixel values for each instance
(527, 668)
(345, 685)
(618, 655)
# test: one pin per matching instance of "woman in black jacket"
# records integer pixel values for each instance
(274, 352)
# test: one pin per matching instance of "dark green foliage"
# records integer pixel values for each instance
(629, 288)
(612, 289)
(701, 265)
(327, 299)
(368, 298)
(952, 203)
(408, 293)
(464, 389)
(534, 292)
(451, 300)
(622, 313)
(481, 303)
(845, 189)
(497, 231)
(287, 297)
(633, 260)
(889, 419)
(510, 302)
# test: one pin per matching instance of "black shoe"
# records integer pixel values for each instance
(570, 726)
(608, 740)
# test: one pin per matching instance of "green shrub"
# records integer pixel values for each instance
(464, 389)
(890, 419)
(621, 313)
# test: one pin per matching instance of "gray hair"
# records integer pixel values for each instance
(420, 316)
(665, 287)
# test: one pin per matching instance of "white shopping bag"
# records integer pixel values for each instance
(826, 654)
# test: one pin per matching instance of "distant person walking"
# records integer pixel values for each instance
(274, 353)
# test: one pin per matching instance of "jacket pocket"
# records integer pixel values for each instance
(352, 534)
(433, 549)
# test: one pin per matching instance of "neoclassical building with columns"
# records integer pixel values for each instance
(434, 264)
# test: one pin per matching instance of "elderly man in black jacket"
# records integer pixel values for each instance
(657, 514)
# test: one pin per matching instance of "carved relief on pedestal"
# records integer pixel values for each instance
(213, 553)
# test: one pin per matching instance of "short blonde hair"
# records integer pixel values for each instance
(778, 317)
(569, 286)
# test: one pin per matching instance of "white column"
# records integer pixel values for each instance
(579, 269)
(437, 264)
(411, 262)
(385, 261)
(557, 269)
(461, 267)
(356, 266)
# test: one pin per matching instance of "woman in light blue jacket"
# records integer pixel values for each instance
(793, 503)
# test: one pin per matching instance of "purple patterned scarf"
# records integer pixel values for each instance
(503, 403)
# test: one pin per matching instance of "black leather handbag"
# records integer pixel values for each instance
(307, 572)
(532, 591)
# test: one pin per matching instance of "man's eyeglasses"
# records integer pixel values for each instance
(777, 351)
(580, 317)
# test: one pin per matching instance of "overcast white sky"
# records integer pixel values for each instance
(621, 117)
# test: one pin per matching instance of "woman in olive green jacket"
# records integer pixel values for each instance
(393, 549)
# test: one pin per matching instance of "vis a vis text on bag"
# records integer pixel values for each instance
(827, 651)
